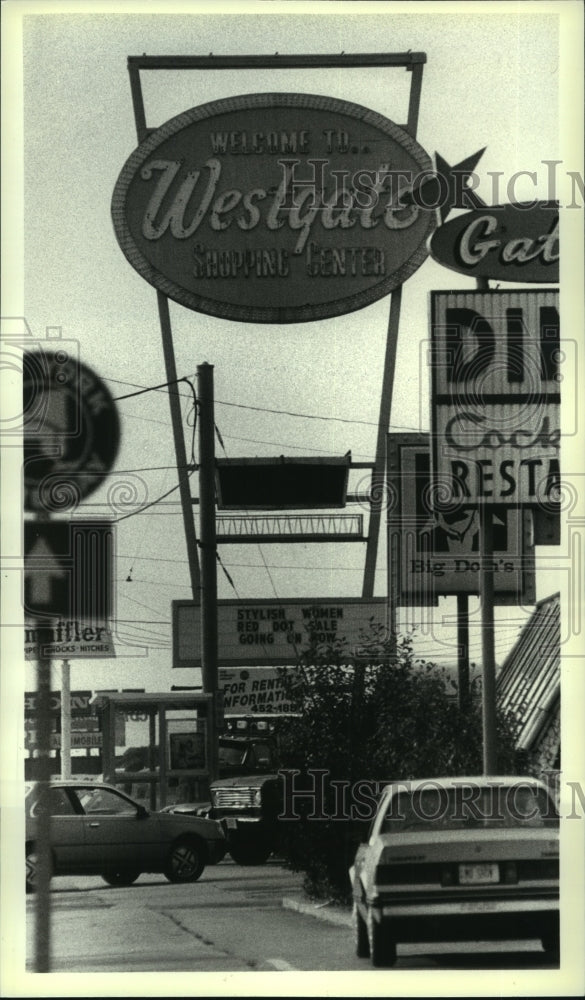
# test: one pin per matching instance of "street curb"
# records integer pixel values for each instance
(329, 912)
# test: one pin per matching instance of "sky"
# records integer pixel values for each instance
(491, 80)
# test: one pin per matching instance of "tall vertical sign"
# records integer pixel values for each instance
(495, 425)
(496, 397)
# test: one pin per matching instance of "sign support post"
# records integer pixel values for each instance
(378, 476)
(180, 452)
(43, 838)
(463, 651)
(487, 641)
(208, 552)
(488, 657)
(65, 720)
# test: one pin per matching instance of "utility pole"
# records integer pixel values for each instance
(208, 545)
(488, 645)
(463, 651)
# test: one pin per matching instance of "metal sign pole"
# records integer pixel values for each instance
(379, 472)
(463, 651)
(180, 451)
(65, 720)
(206, 423)
(487, 640)
(42, 847)
(488, 658)
(142, 131)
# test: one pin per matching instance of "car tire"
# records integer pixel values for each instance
(382, 946)
(250, 854)
(360, 931)
(186, 860)
(120, 878)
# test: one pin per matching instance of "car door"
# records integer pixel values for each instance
(118, 833)
(67, 832)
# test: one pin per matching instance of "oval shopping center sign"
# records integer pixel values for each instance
(274, 208)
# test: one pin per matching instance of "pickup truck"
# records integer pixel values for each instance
(246, 797)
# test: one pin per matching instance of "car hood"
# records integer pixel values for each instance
(188, 808)
(206, 828)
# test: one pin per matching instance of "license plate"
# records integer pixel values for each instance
(478, 874)
(231, 823)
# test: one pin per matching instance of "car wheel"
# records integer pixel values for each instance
(250, 854)
(360, 931)
(186, 861)
(382, 946)
(120, 878)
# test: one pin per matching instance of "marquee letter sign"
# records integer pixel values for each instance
(274, 208)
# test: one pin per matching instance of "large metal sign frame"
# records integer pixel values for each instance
(414, 63)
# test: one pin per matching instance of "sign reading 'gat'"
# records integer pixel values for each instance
(496, 397)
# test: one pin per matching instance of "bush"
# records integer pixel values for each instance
(396, 717)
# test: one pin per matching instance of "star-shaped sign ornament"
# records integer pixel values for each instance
(448, 187)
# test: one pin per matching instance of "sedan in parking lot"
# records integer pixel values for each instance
(95, 829)
(457, 859)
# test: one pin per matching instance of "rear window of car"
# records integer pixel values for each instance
(469, 806)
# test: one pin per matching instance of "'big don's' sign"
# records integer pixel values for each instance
(274, 208)
(496, 397)
(437, 552)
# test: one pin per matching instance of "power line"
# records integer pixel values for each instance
(258, 409)
(138, 621)
(151, 504)
(151, 388)
(309, 416)
(321, 568)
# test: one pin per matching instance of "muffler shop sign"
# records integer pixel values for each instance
(496, 371)
(274, 208)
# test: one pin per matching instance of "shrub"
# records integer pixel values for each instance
(394, 717)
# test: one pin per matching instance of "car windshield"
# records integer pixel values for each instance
(232, 753)
(466, 806)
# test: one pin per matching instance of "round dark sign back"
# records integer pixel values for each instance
(71, 431)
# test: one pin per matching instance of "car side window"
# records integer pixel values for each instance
(59, 803)
(104, 802)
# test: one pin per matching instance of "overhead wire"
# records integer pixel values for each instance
(259, 409)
